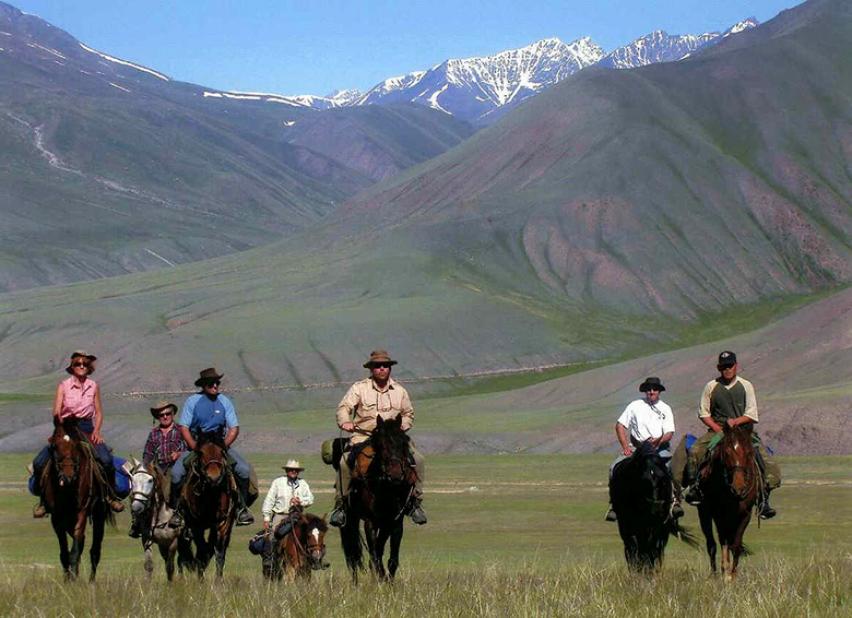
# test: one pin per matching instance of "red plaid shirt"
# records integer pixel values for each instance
(160, 446)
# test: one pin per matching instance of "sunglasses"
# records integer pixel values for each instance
(212, 384)
(381, 365)
(165, 414)
(85, 365)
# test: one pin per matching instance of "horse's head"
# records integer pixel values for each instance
(67, 453)
(312, 529)
(211, 460)
(141, 488)
(390, 443)
(736, 454)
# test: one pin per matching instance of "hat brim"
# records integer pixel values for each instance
(645, 387)
(156, 411)
(203, 381)
(291, 468)
(371, 364)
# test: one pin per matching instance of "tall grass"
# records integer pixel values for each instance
(816, 586)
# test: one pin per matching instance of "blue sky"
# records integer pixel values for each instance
(306, 47)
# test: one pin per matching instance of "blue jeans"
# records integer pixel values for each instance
(241, 467)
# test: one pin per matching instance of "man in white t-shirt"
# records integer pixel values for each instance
(646, 420)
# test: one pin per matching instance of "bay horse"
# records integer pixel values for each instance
(75, 490)
(379, 496)
(641, 494)
(209, 496)
(150, 514)
(731, 484)
(301, 549)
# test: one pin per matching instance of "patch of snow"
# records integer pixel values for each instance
(160, 257)
(119, 87)
(433, 100)
(289, 123)
(47, 49)
(126, 63)
(5, 33)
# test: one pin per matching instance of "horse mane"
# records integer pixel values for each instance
(391, 432)
(310, 520)
(210, 437)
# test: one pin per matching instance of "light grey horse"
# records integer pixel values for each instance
(151, 514)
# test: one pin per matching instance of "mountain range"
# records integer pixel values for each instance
(482, 89)
(615, 214)
(109, 167)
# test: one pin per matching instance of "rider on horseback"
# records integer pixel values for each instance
(378, 395)
(210, 412)
(286, 493)
(164, 446)
(730, 400)
(647, 420)
(79, 398)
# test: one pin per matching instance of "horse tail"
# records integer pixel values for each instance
(682, 533)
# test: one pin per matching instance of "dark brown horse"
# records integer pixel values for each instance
(75, 490)
(302, 548)
(731, 485)
(641, 494)
(380, 496)
(209, 496)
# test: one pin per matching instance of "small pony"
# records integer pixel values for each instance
(299, 545)
(150, 512)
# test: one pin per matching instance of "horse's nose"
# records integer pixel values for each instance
(137, 506)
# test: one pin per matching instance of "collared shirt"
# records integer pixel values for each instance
(160, 446)
(724, 401)
(364, 402)
(646, 421)
(281, 492)
(200, 414)
(78, 399)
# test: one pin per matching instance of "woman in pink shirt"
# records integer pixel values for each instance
(79, 397)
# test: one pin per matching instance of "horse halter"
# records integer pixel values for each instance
(61, 462)
(748, 471)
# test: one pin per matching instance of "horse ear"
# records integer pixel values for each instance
(379, 421)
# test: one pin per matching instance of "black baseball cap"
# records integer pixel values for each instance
(727, 359)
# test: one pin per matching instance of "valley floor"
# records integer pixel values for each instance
(507, 535)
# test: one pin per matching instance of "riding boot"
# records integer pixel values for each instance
(610, 514)
(766, 511)
(416, 512)
(112, 494)
(39, 510)
(677, 509)
(175, 504)
(338, 515)
(244, 516)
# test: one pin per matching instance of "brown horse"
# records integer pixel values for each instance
(74, 490)
(209, 496)
(299, 545)
(731, 484)
(380, 496)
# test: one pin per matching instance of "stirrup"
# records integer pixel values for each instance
(417, 514)
(116, 505)
(338, 517)
(39, 511)
(677, 510)
(693, 495)
(244, 517)
(766, 511)
(610, 515)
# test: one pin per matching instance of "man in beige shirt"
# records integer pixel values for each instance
(376, 396)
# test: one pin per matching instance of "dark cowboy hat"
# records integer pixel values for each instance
(208, 375)
(377, 357)
(649, 383)
(162, 405)
(82, 354)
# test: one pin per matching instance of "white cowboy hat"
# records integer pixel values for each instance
(292, 464)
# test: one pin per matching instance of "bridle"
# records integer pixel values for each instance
(749, 472)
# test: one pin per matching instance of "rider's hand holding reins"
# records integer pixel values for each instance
(348, 426)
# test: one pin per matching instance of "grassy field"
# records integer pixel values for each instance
(519, 535)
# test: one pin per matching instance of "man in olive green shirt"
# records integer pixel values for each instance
(365, 401)
(728, 399)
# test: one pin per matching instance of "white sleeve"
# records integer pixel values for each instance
(668, 419)
(626, 416)
(305, 495)
(269, 502)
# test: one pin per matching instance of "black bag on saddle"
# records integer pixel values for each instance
(259, 543)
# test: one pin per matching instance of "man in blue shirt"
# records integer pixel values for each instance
(210, 412)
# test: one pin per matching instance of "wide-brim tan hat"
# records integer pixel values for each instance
(81, 354)
(293, 464)
(208, 375)
(162, 405)
(379, 357)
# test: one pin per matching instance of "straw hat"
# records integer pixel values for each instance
(82, 354)
(162, 405)
(293, 464)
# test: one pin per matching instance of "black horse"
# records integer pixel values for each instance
(380, 496)
(641, 494)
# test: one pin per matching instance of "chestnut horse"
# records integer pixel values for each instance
(150, 512)
(302, 549)
(379, 495)
(731, 484)
(641, 494)
(209, 497)
(74, 489)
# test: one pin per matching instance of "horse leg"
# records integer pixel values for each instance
(167, 552)
(202, 557)
(149, 559)
(707, 528)
(395, 542)
(79, 543)
(98, 521)
(371, 534)
(737, 542)
(381, 539)
(62, 537)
